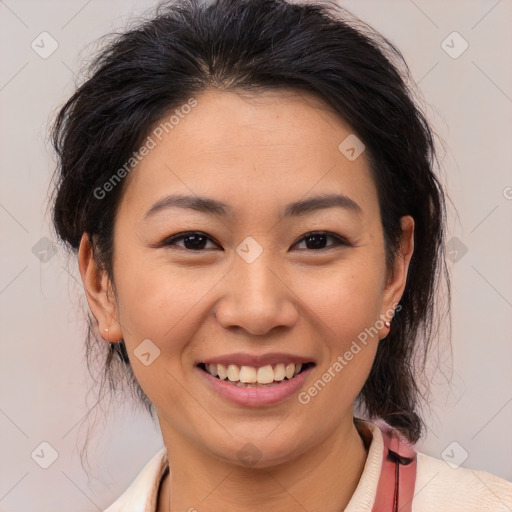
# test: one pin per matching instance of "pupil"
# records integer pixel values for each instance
(319, 244)
(200, 241)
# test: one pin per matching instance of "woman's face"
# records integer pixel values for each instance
(251, 282)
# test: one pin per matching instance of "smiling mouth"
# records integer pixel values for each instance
(252, 377)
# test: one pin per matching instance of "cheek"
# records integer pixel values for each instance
(160, 304)
(157, 299)
(167, 303)
(346, 299)
(348, 307)
(345, 304)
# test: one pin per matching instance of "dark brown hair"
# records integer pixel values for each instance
(253, 45)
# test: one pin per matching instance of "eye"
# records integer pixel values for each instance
(198, 241)
(317, 240)
(192, 240)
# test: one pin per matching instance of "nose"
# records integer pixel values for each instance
(256, 297)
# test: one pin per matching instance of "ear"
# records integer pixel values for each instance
(397, 278)
(99, 292)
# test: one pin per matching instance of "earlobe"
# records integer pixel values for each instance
(98, 291)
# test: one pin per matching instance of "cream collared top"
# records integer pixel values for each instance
(439, 487)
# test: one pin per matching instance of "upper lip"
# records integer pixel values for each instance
(255, 360)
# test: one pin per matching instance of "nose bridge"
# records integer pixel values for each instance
(257, 277)
(256, 297)
(254, 260)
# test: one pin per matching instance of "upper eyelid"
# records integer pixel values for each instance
(179, 236)
(340, 239)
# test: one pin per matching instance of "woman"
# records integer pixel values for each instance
(249, 187)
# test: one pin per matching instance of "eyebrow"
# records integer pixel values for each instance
(214, 207)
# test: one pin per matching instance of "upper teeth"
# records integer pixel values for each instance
(250, 374)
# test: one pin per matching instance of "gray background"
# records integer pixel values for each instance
(44, 385)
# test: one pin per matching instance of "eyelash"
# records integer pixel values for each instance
(340, 241)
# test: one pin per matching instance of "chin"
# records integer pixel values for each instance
(260, 452)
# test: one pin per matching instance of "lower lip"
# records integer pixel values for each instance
(257, 397)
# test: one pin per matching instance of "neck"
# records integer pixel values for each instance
(324, 478)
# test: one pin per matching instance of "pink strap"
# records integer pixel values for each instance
(395, 490)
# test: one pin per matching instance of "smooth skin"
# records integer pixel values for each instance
(256, 153)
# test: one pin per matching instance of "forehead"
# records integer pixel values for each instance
(251, 151)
